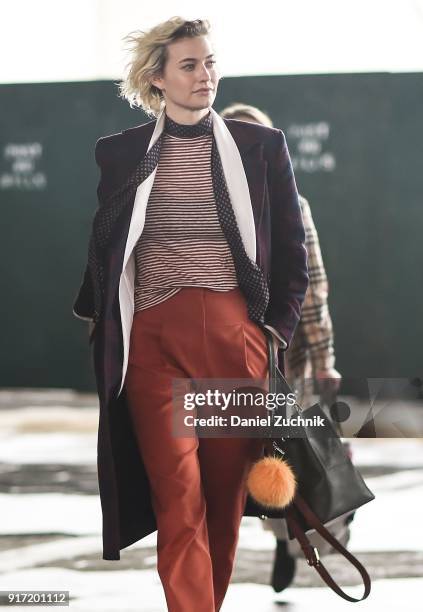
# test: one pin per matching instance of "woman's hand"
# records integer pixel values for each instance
(328, 381)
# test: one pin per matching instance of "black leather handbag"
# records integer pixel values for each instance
(328, 484)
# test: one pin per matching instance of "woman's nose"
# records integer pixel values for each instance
(204, 73)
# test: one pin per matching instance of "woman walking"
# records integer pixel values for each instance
(197, 244)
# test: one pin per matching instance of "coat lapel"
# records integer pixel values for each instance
(254, 164)
(236, 181)
(255, 169)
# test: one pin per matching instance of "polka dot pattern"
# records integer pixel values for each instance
(182, 130)
(106, 217)
(251, 279)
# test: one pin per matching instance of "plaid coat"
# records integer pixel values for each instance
(312, 347)
(124, 489)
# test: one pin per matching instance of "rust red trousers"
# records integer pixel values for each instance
(197, 483)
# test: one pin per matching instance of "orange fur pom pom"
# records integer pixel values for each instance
(271, 482)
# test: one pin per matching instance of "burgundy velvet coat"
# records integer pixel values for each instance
(124, 488)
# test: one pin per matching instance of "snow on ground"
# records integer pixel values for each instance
(375, 526)
(49, 513)
(81, 448)
(141, 590)
(398, 452)
(69, 448)
(397, 495)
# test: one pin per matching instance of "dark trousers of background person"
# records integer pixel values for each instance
(197, 483)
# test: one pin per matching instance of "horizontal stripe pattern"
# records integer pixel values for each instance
(182, 243)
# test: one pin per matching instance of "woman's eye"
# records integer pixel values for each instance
(191, 66)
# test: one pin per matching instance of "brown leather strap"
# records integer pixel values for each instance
(311, 553)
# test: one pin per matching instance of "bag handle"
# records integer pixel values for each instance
(311, 553)
(270, 357)
(276, 377)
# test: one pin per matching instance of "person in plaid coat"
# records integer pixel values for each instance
(311, 355)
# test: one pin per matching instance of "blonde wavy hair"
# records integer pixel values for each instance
(148, 55)
(236, 110)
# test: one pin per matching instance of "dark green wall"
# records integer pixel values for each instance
(366, 204)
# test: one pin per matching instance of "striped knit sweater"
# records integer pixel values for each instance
(182, 243)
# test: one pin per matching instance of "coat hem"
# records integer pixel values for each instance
(109, 556)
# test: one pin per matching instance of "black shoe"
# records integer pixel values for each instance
(283, 567)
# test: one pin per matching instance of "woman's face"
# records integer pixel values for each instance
(190, 78)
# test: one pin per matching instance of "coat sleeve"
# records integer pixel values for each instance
(83, 305)
(288, 269)
(316, 322)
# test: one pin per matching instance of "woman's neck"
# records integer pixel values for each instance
(185, 116)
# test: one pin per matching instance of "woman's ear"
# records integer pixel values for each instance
(157, 81)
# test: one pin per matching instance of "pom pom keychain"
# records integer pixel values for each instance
(271, 482)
